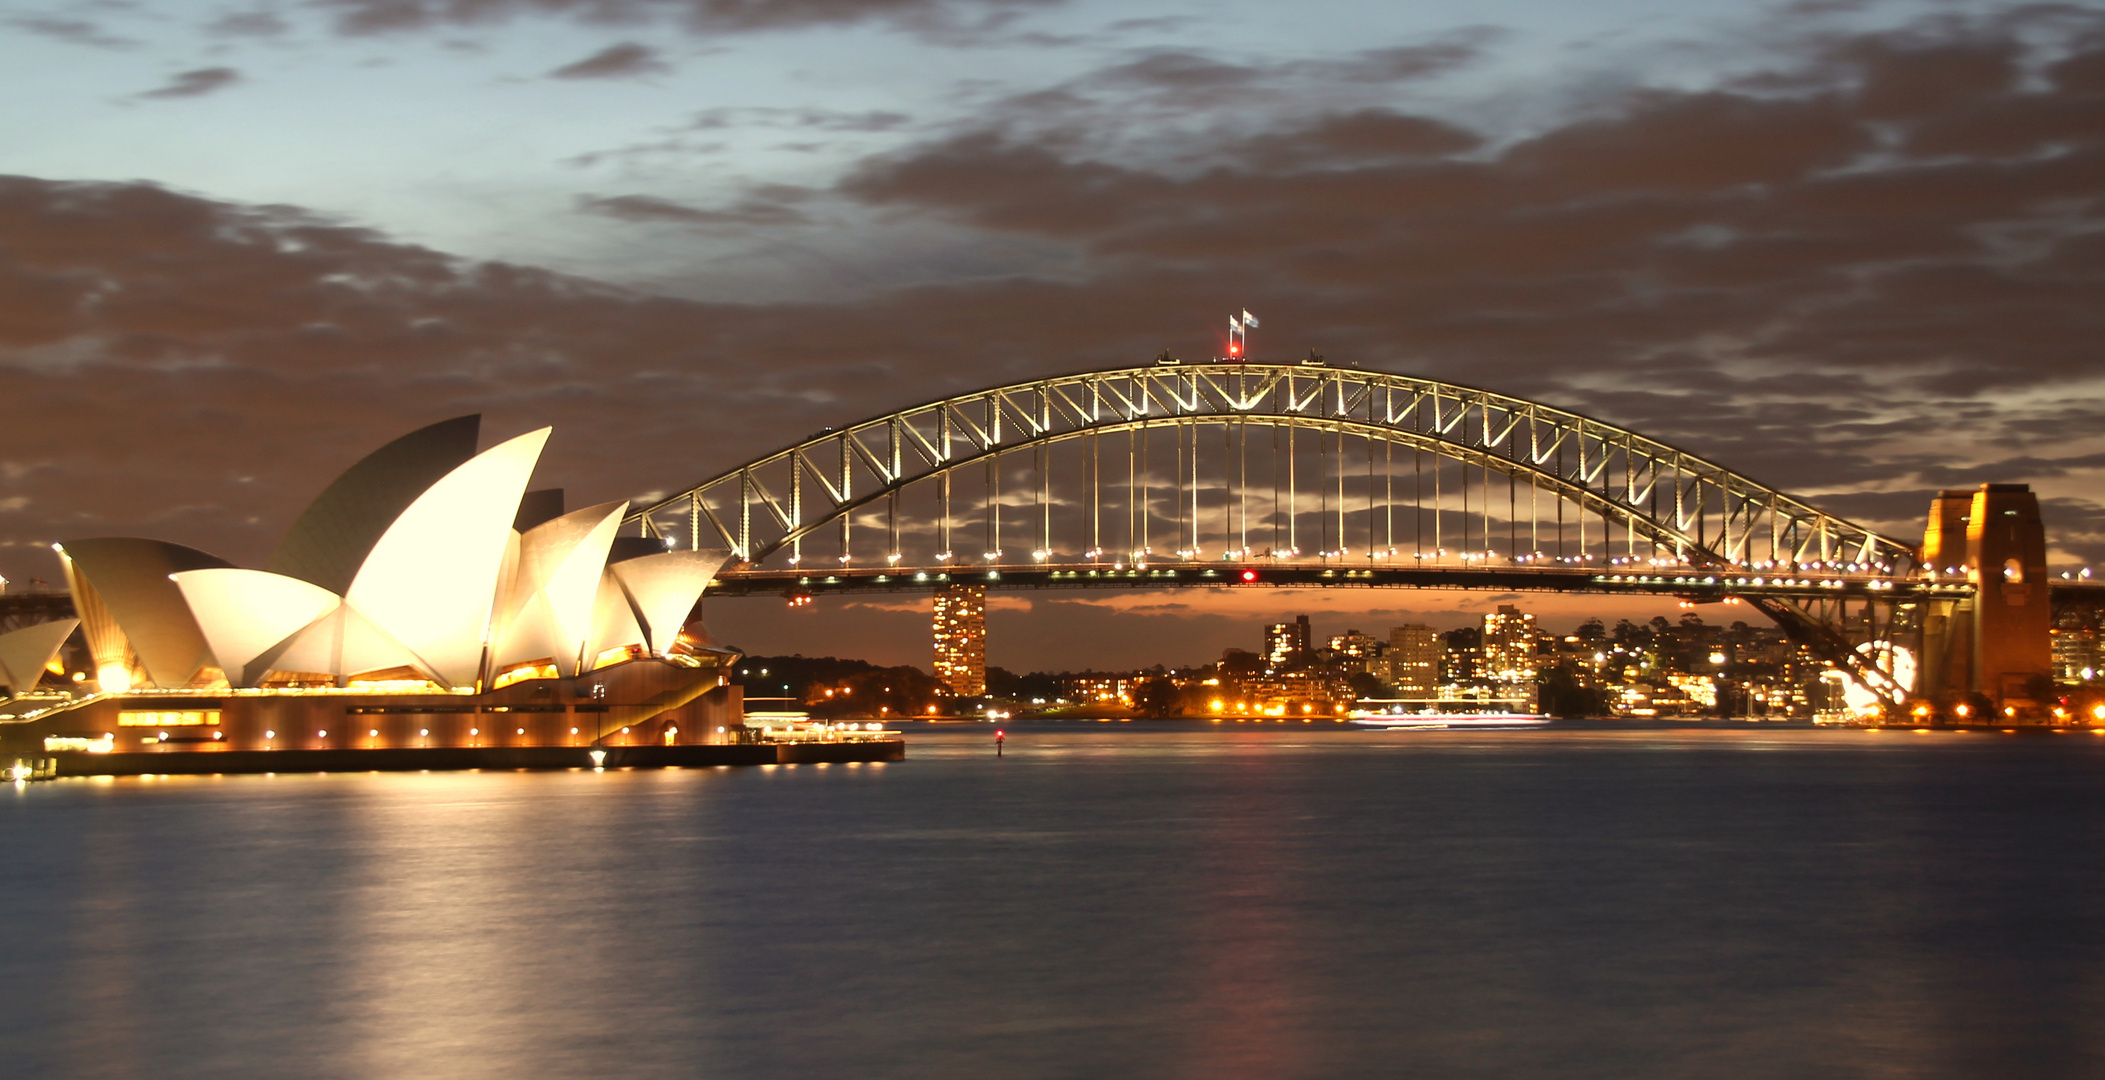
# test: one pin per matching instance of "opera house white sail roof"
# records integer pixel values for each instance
(424, 561)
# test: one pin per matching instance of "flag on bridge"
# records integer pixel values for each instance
(1249, 319)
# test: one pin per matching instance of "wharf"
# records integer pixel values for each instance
(58, 764)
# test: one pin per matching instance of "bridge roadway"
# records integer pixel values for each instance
(1684, 582)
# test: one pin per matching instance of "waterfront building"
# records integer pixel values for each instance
(961, 638)
(1413, 660)
(2075, 645)
(1298, 693)
(1286, 643)
(1508, 655)
(1092, 689)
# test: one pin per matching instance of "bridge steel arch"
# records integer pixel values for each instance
(1670, 505)
(1712, 514)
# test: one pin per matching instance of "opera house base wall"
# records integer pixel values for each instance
(641, 713)
(209, 762)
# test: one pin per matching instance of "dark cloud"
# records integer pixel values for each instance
(1405, 63)
(195, 83)
(644, 208)
(73, 31)
(818, 119)
(1171, 84)
(1860, 290)
(1775, 229)
(935, 17)
(620, 61)
(1359, 138)
(1184, 73)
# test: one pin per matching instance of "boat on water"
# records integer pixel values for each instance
(1441, 721)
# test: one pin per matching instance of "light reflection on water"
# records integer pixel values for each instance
(1117, 900)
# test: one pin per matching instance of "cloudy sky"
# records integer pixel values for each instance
(1854, 250)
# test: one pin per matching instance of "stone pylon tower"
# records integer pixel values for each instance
(2000, 643)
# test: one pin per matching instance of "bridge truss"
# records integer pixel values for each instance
(1289, 468)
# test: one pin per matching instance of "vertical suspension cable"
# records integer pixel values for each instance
(1096, 500)
(1388, 497)
(1629, 489)
(1534, 489)
(1293, 497)
(1147, 499)
(1177, 486)
(1487, 503)
(1193, 477)
(1341, 490)
(1228, 485)
(1323, 490)
(1242, 489)
(1274, 509)
(1462, 467)
(847, 497)
(1559, 466)
(1367, 443)
(1132, 505)
(1194, 423)
(892, 455)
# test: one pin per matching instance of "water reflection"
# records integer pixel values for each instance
(1123, 902)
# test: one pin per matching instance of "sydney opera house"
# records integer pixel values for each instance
(427, 610)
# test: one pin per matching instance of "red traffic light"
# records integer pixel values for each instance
(1249, 575)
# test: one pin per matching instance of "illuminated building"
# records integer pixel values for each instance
(1414, 659)
(961, 638)
(1099, 689)
(425, 601)
(1507, 655)
(1355, 652)
(1285, 643)
(2075, 645)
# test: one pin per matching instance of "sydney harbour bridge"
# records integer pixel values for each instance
(1253, 475)
(1256, 475)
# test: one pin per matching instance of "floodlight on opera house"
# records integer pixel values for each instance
(426, 563)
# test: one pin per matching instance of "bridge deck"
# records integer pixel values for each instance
(1683, 582)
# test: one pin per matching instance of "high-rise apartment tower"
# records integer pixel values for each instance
(1285, 643)
(961, 638)
(1509, 655)
(1414, 660)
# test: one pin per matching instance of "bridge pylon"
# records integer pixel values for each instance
(1998, 640)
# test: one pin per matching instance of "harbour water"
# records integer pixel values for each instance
(1123, 900)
